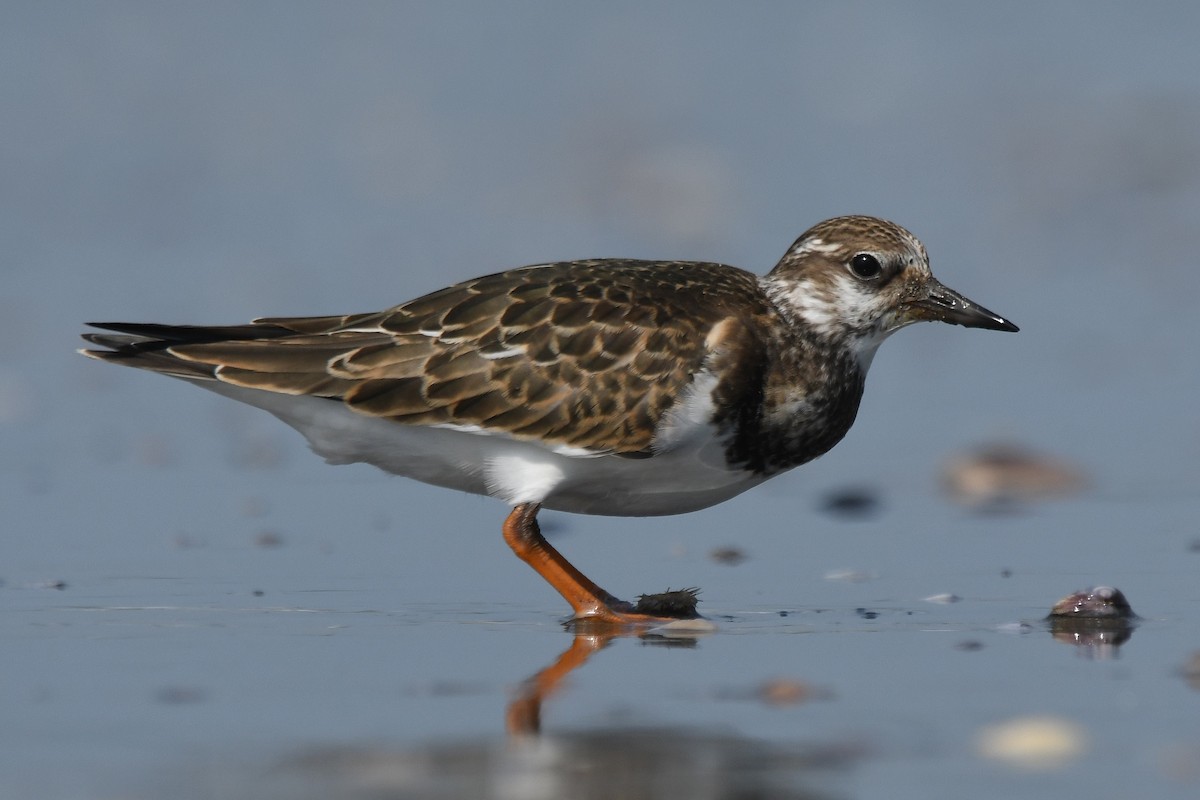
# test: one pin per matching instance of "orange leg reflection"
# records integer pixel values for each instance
(524, 715)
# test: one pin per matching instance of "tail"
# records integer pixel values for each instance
(148, 345)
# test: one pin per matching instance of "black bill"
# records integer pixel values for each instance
(946, 305)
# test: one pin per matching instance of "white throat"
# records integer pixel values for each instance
(840, 312)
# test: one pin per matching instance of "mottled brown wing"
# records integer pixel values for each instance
(581, 354)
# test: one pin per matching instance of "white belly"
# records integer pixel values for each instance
(688, 474)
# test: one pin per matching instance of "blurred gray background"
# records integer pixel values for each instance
(219, 161)
(213, 162)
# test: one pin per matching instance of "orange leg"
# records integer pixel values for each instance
(590, 603)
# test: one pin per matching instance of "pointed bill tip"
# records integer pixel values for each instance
(1001, 324)
(943, 304)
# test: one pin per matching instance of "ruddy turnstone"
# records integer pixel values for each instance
(617, 387)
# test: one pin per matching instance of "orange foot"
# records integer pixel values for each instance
(593, 607)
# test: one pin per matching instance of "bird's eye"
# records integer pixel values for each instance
(865, 266)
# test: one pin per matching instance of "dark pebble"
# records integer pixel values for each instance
(268, 539)
(1098, 602)
(180, 695)
(728, 555)
(856, 502)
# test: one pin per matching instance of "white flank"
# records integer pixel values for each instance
(690, 414)
(687, 471)
(521, 478)
(560, 449)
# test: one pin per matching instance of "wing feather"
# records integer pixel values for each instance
(582, 354)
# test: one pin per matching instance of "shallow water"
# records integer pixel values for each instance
(366, 663)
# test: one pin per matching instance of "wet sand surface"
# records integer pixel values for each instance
(326, 665)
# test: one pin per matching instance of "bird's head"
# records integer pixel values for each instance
(858, 279)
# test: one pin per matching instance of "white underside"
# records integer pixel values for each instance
(686, 473)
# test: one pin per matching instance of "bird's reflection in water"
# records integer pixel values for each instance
(624, 763)
(630, 763)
